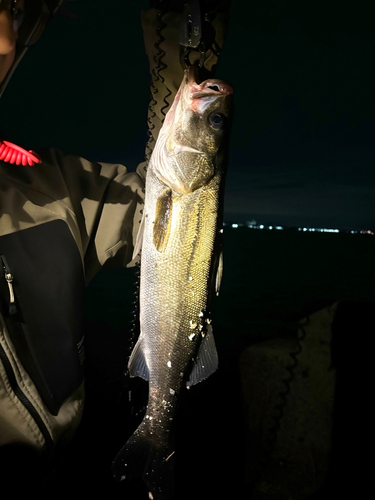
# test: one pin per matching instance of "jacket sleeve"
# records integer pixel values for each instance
(107, 201)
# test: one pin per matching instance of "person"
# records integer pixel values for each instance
(62, 219)
(7, 41)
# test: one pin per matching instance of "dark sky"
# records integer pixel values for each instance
(302, 147)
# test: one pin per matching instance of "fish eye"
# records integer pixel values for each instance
(216, 120)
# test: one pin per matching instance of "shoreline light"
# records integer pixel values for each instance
(254, 225)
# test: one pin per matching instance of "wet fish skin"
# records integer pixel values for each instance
(180, 256)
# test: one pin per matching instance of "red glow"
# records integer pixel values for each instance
(11, 153)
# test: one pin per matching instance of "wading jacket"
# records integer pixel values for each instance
(60, 222)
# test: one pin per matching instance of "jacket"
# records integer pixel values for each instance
(60, 222)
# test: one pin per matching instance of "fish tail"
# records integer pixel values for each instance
(141, 457)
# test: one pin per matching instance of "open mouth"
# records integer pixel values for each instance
(210, 91)
(207, 88)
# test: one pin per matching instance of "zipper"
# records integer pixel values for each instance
(8, 366)
(9, 279)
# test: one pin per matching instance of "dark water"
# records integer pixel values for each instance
(272, 279)
(276, 277)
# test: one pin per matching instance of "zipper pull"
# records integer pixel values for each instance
(9, 279)
(12, 303)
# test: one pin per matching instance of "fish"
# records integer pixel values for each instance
(180, 241)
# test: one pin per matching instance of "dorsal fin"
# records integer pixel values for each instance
(139, 240)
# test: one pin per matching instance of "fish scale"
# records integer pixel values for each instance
(179, 240)
(173, 272)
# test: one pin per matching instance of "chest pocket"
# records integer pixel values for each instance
(46, 318)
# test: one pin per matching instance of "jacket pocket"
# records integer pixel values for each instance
(11, 382)
(42, 290)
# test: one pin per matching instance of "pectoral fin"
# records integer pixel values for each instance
(207, 360)
(162, 224)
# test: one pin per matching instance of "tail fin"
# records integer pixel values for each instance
(149, 459)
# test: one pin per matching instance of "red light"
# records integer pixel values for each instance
(11, 153)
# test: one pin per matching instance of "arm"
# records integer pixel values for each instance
(101, 203)
(107, 200)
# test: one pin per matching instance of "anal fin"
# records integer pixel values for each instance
(207, 360)
(137, 362)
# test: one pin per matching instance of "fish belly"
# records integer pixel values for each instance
(175, 282)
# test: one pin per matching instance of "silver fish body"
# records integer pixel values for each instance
(180, 262)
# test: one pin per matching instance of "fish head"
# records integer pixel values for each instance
(192, 142)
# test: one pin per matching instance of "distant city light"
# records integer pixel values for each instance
(318, 229)
(254, 225)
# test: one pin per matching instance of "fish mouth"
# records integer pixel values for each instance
(208, 88)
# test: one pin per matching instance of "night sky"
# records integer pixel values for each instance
(302, 149)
